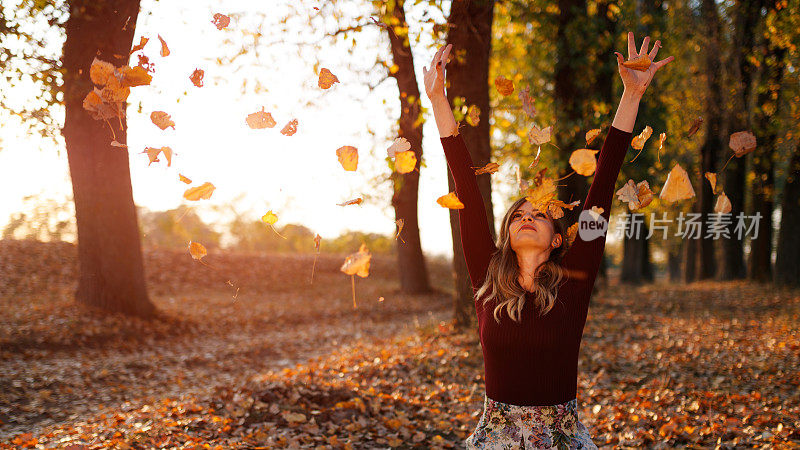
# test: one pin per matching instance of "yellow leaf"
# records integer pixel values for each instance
(355, 201)
(269, 218)
(638, 141)
(317, 240)
(583, 162)
(357, 263)
(591, 134)
(400, 144)
(488, 168)
(712, 178)
(164, 48)
(184, 179)
(541, 193)
(723, 204)
(290, 128)
(473, 115)
(539, 136)
(572, 232)
(678, 186)
(99, 72)
(197, 250)
(503, 85)
(260, 120)
(742, 143)
(641, 63)
(221, 21)
(326, 78)
(134, 76)
(162, 120)
(399, 223)
(636, 195)
(450, 201)
(203, 191)
(142, 42)
(197, 77)
(348, 157)
(405, 162)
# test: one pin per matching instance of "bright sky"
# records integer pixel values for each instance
(298, 177)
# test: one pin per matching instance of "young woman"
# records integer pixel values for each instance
(531, 293)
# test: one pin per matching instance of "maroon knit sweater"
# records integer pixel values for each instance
(535, 361)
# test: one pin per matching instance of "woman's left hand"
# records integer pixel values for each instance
(636, 81)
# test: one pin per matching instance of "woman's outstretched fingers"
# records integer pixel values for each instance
(654, 51)
(631, 46)
(645, 43)
(664, 62)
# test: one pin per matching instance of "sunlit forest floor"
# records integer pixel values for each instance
(290, 364)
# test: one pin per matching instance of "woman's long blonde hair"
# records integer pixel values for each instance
(502, 274)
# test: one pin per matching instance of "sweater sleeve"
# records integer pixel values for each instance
(476, 236)
(582, 260)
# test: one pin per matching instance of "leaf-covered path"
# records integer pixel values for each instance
(709, 365)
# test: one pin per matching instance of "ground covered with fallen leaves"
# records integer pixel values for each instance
(288, 364)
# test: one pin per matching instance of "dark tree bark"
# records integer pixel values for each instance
(707, 264)
(411, 262)
(636, 266)
(746, 15)
(109, 247)
(760, 267)
(470, 32)
(787, 261)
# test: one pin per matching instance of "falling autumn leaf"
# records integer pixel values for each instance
(164, 48)
(100, 71)
(348, 157)
(400, 144)
(473, 115)
(405, 162)
(357, 263)
(269, 217)
(221, 21)
(591, 135)
(678, 186)
(742, 143)
(638, 141)
(399, 223)
(636, 195)
(317, 240)
(153, 153)
(197, 77)
(326, 78)
(723, 204)
(542, 193)
(539, 136)
(114, 91)
(641, 63)
(488, 168)
(583, 161)
(556, 208)
(597, 210)
(450, 201)
(661, 138)
(572, 233)
(162, 120)
(503, 85)
(197, 250)
(142, 42)
(695, 126)
(260, 120)
(290, 128)
(99, 109)
(712, 178)
(134, 76)
(527, 101)
(117, 144)
(196, 193)
(184, 179)
(355, 201)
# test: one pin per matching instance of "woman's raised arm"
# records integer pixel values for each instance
(476, 236)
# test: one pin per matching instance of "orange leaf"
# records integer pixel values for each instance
(638, 141)
(357, 263)
(184, 179)
(678, 186)
(326, 78)
(355, 201)
(450, 201)
(142, 42)
(290, 128)
(164, 48)
(503, 85)
(695, 126)
(488, 168)
(221, 21)
(591, 134)
(162, 120)
(197, 77)
(583, 161)
(348, 157)
(473, 115)
(134, 76)
(641, 63)
(723, 204)
(712, 178)
(260, 120)
(196, 193)
(100, 71)
(197, 250)
(742, 143)
(539, 136)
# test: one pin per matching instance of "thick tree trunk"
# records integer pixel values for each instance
(708, 152)
(109, 247)
(411, 262)
(760, 268)
(636, 266)
(470, 32)
(787, 262)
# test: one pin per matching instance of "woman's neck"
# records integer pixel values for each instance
(529, 262)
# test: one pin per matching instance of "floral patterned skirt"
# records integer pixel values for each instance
(504, 426)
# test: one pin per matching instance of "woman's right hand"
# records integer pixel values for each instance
(434, 75)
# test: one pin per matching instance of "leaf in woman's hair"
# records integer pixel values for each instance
(450, 201)
(640, 63)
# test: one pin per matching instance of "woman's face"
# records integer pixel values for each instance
(530, 228)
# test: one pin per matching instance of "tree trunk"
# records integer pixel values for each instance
(636, 266)
(708, 152)
(470, 32)
(787, 262)
(410, 260)
(109, 248)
